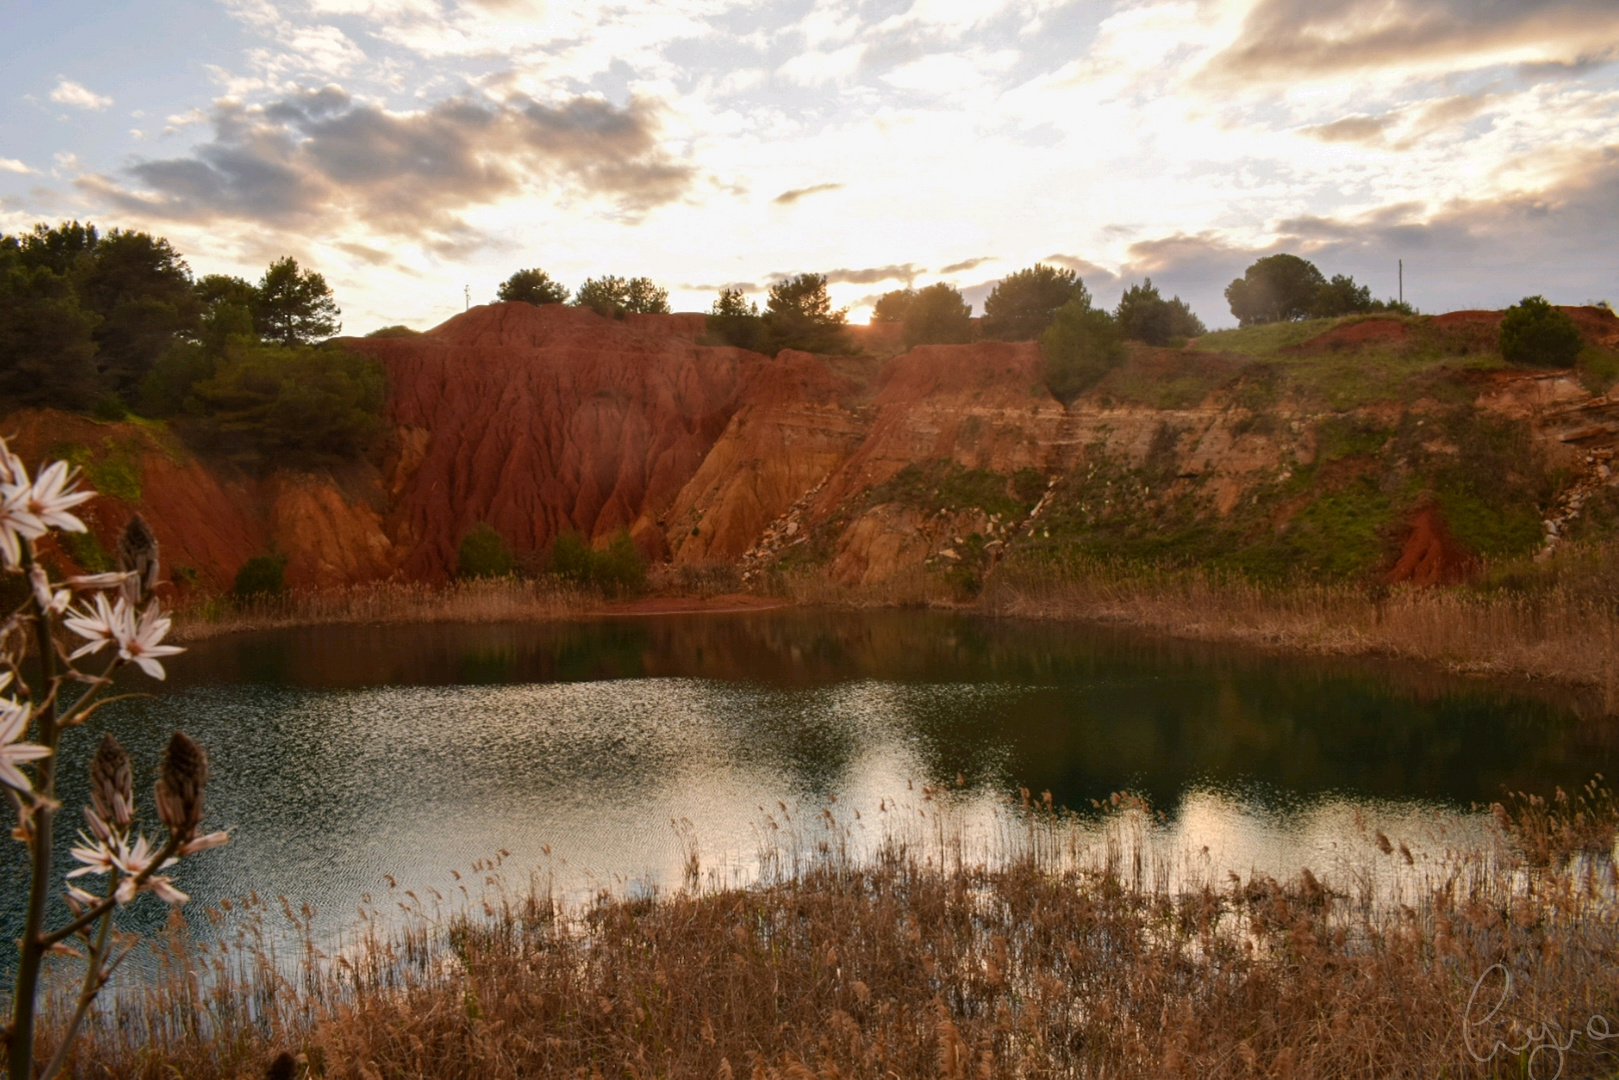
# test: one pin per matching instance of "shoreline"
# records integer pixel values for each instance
(1550, 641)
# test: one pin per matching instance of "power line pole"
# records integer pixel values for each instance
(1402, 281)
(468, 290)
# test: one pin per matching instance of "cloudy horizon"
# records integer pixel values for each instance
(411, 149)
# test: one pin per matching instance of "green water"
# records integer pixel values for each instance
(342, 755)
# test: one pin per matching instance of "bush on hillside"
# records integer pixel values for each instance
(892, 306)
(1024, 303)
(735, 320)
(532, 286)
(800, 315)
(937, 315)
(1081, 345)
(614, 297)
(619, 570)
(1144, 315)
(1536, 334)
(483, 554)
(261, 576)
(1277, 288)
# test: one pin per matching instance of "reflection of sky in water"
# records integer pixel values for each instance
(524, 744)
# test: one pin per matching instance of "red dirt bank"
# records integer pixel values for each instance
(550, 419)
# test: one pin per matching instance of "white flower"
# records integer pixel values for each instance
(99, 623)
(133, 860)
(140, 642)
(98, 856)
(16, 522)
(53, 496)
(13, 725)
(49, 602)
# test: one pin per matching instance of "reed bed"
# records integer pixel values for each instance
(1062, 952)
(478, 600)
(1557, 633)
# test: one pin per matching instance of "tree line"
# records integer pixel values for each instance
(116, 324)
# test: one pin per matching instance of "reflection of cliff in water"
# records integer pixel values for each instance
(1079, 710)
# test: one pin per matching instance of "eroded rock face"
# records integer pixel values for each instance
(542, 420)
(788, 434)
(545, 420)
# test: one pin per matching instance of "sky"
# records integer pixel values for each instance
(417, 152)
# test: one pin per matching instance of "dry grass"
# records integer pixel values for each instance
(1556, 634)
(1064, 953)
(484, 600)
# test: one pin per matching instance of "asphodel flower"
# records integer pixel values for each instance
(17, 523)
(14, 717)
(141, 641)
(134, 859)
(53, 495)
(98, 622)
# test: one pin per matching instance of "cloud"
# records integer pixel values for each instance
(1092, 274)
(68, 92)
(12, 165)
(318, 155)
(787, 198)
(966, 264)
(1465, 253)
(1364, 129)
(906, 272)
(1285, 39)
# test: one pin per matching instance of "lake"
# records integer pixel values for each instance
(343, 755)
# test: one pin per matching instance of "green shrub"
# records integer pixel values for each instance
(532, 286)
(617, 571)
(937, 315)
(1536, 334)
(483, 554)
(735, 320)
(84, 549)
(397, 330)
(620, 570)
(1024, 303)
(1081, 345)
(261, 576)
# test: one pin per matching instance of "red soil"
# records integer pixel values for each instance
(1365, 332)
(1430, 555)
(200, 523)
(548, 419)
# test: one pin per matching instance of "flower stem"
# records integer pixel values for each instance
(20, 1055)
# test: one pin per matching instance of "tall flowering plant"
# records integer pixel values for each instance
(82, 630)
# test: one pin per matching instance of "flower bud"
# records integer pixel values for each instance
(112, 784)
(180, 786)
(138, 557)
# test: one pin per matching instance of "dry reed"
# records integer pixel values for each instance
(480, 600)
(1060, 955)
(1557, 634)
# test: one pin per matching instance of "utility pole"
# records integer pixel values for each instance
(467, 289)
(1402, 281)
